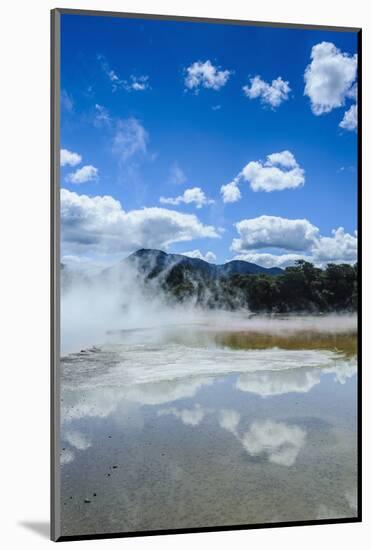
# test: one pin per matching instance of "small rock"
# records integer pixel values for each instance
(114, 467)
(87, 500)
(94, 494)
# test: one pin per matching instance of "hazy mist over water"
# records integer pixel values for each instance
(94, 309)
(180, 416)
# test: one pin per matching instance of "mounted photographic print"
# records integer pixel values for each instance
(205, 227)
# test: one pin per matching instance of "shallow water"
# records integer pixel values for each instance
(195, 426)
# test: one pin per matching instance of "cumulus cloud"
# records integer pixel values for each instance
(66, 457)
(168, 391)
(275, 232)
(131, 138)
(176, 174)
(193, 195)
(190, 417)
(208, 257)
(68, 158)
(285, 159)
(266, 259)
(77, 439)
(294, 379)
(82, 175)
(280, 442)
(229, 420)
(99, 224)
(268, 383)
(279, 171)
(205, 75)
(349, 121)
(270, 94)
(340, 248)
(290, 234)
(329, 78)
(230, 192)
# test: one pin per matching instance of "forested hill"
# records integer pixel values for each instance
(239, 284)
(153, 262)
(231, 286)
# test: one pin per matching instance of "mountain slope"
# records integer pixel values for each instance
(152, 263)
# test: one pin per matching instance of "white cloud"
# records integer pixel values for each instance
(208, 257)
(299, 379)
(275, 232)
(349, 121)
(130, 138)
(139, 83)
(82, 175)
(229, 420)
(190, 417)
(279, 441)
(340, 248)
(167, 391)
(193, 195)
(102, 116)
(230, 192)
(93, 403)
(68, 158)
(279, 171)
(99, 224)
(265, 259)
(205, 75)
(67, 456)
(77, 439)
(176, 174)
(270, 94)
(136, 83)
(285, 159)
(297, 235)
(110, 73)
(268, 383)
(329, 78)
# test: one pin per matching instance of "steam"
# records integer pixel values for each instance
(119, 302)
(92, 308)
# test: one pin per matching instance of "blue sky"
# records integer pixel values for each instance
(153, 108)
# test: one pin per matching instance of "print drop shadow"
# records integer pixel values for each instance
(41, 528)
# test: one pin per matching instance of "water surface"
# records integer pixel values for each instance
(198, 426)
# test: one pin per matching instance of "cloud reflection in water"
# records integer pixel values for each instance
(278, 441)
(120, 378)
(299, 380)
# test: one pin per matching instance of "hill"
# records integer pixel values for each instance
(152, 263)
